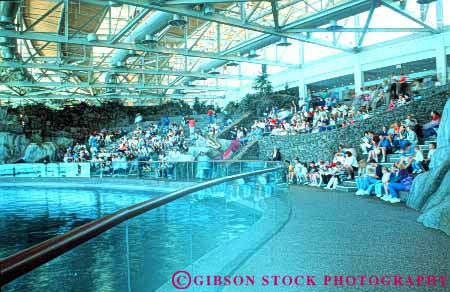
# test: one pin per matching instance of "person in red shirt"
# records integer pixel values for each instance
(429, 128)
(210, 116)
(403, 84)
(191, 127)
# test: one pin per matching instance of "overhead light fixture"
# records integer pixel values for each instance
(253, 54)
(425, 1)
(111, 79)
(112, 3)
(208, 10)
(119, 64)
(177, 20)
(91, 37)
(334, 26)
(4, 41)
(7, 54)
(132, 53)
(233, 64)
(284, 42)
(214, 71)
(149, 39)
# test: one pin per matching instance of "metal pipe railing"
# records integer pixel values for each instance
(15, 266)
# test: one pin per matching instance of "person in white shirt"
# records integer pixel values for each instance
(418, 159)
(350, 164)
(300, 171)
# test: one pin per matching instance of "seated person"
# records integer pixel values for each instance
(399, 181)
(431, 150)
(300, 171)
(417, 160)
(430, 127)
(373, 176)
(336, 175)
(350, 165)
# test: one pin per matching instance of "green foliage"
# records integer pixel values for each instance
(200, 107)
(232, 107)
(262, 84)
(265, 97)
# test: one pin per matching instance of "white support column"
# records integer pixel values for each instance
(358, 74)
(441, 61)
(302, 92)
(301, 84)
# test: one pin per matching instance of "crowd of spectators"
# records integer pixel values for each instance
(372, 175)
(312, 115)
(151, 148)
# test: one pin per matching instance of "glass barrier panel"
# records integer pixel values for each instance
(210, 232)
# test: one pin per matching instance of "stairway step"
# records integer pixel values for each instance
(387, 164)
(349, 183)
(346, 189)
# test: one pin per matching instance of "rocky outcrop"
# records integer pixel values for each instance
(12, 139)
(430, 192)
(40, 152)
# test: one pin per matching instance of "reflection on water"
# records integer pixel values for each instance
(139, 255)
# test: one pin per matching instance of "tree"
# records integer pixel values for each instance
(262, 84)
(197, 107)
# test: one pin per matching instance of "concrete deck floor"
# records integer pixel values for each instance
(335, 233)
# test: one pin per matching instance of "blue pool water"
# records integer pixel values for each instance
(29, 216)
(139, 255)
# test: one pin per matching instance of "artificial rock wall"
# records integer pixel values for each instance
(430, 192)
(312, 147)
(12, 139)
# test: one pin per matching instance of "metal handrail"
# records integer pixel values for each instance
(16, 265)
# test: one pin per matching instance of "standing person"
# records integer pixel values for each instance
(191, 124)
(386, 92)
(393, 87)
(276, 154)
(210, 116)
(138, 119)
(403, 84)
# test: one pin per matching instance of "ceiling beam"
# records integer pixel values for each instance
(375, 3)
(184, 2)
(43, 16)
(274, 5)
(62, 67)
(135, 86)
(51, 37)
(393, 6)
(359, 29)
(337, 12)
(107, 96)
(129, 25)
(232, 22)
